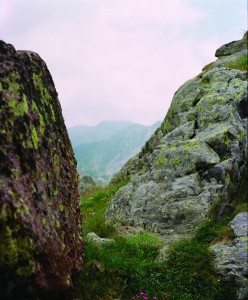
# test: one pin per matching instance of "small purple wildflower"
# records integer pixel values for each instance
(141, 295)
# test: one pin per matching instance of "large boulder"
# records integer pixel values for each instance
(193, 158)
(40, 242)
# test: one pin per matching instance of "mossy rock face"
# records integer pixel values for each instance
(194, 157)
(40, 245)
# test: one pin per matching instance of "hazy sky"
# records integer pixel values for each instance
(121, 59)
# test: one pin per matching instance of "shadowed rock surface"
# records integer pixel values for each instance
(191, 160)
(40, 244)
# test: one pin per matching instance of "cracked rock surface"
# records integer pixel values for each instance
(191, 159)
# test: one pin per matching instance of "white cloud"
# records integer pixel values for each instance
(112, 59)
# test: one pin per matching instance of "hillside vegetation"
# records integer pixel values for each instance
(133, 262)
(101, 151)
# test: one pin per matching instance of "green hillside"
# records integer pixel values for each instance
(101, 158)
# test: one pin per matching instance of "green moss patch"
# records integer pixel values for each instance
(17, 101)
(241, 63)
(16, 261)
(44, 93)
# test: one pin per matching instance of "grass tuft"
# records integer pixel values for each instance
(94, 207)
(240, 64)
(190, 273)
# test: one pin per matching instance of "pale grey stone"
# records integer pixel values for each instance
(96, 240)
(240, 224)
(163, 253)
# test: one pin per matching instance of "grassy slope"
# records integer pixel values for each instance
(130, 264)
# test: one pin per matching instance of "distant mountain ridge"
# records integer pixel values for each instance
(103, 149)
(85, 134)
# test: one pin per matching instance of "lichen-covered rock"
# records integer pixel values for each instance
(191, 160)
(40, 243)
(231, 258)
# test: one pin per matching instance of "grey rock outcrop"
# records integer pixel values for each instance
(231, 258)
(191, 159)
